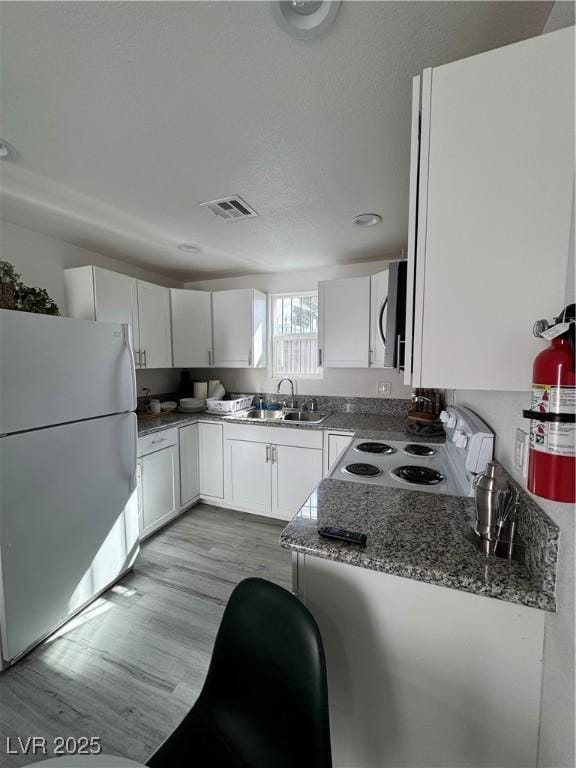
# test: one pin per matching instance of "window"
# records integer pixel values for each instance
(295, 335)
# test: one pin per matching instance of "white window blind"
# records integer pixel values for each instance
(295, 335)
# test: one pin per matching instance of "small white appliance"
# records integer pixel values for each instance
(448, 468)
(68, 448)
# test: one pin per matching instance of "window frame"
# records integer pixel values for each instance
(275, 375)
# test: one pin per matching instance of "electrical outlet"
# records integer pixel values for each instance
(384, 387)
(521, 452)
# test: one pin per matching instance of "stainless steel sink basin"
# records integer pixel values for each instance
(310, 417)
(299, 417)
(260, 415)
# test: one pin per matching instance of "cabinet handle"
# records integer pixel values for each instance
(399, 342)
(250, 358)
(160, 440)
(210, 358)
(319, 358)
(380, 318)
(267, 454)
(274, 455)
(145, 365)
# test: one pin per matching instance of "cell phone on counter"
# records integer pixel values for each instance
(341, 534)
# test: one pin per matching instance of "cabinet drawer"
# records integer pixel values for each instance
(156, 441)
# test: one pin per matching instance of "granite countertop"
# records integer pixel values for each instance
(411, 534)
(366, 426)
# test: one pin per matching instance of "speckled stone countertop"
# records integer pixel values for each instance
(367, 426)
(415, 535)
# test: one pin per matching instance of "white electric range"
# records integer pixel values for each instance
(448, 467)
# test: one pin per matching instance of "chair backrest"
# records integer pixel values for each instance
(266, 689)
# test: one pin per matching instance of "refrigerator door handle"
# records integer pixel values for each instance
(134, 476)
(128, 340)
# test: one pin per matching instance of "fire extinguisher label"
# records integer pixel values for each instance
(549, 436)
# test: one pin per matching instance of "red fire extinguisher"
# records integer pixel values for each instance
(552, 458)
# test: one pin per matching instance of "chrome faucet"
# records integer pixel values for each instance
(310, 405)
(292, 399)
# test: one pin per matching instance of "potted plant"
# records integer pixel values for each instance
(9, 282)
(35, 300)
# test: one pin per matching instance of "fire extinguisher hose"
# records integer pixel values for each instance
(565, 418)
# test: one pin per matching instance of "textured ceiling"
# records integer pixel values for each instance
(127, 115)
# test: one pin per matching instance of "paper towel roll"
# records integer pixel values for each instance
(201, 390)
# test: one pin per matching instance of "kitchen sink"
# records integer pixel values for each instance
(260, 415)
(310, 417)
(299, 417)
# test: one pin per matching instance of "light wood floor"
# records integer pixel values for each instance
(130, 667)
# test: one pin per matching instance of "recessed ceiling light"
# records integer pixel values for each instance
(189, 248)
(367, 219)
(7, 151)
(304, 19)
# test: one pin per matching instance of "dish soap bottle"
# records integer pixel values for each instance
(261, 403)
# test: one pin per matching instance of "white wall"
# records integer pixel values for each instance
(348, 382)
(41, 260)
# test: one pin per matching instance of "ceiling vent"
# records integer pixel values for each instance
(230, 208)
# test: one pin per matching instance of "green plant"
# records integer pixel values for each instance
(8, 275)
(35, 300)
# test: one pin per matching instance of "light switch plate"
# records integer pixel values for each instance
(384, 387)
(521, 452)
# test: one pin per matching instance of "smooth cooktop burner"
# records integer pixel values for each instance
(418, 475)
(374, 448)
(362, 470)
(414, 449)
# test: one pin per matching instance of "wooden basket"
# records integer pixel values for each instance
(6, 296)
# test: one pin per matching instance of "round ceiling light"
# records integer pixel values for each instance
(189, 248)
(304, 19)
(367, 219)
(7, 151)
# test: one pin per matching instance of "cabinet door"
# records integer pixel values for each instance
(344, 309)
(155, 332)
(189, 466)
(232, 324)
(496, 209)
(378, 307)
(191, 328)
(295, 474)
(248, 475)
(116, 301)
(335, 444)
(160, 492)
(211, 460)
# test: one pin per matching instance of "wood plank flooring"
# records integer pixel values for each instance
(132, 664)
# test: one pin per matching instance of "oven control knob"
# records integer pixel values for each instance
(460, 439)
(451, 422)
(444, 416)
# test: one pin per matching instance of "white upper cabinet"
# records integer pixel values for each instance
(344, 323)
(191, 328)
(239, 328)
(491, 241)
(155, 329)
(93, 293)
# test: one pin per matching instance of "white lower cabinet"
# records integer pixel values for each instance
(270, 471)
(248, 475)
(158, 481)
(189, 464)
(211, 460)
(295, 473)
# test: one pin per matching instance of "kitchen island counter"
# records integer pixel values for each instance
(419, 536)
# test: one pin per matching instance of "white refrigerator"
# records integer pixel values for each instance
(68, 448)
